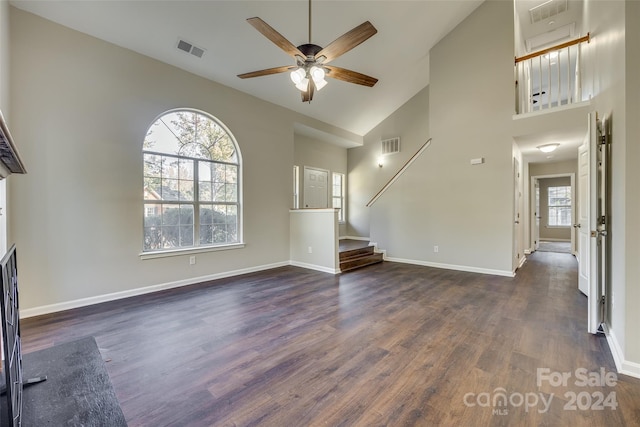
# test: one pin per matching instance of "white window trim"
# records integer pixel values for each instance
(343, 210)
(189, 251)
(161, 253)
(570, 206)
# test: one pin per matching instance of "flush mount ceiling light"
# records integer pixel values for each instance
(548, 148)
(311, 60)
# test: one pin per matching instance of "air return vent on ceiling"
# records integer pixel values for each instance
(547, 10)
(391, 145)
(190, 48)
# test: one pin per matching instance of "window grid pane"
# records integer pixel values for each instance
(559, 202)
(338, 194)
(180, 148)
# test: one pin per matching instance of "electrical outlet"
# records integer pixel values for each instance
(436, 249)
(192, 259)
(310, 249)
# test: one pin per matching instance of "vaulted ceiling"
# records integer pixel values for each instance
(398, 55)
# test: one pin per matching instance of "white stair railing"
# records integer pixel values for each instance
(549, 78)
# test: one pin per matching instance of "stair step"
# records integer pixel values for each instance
(360, 261)
(355, 253)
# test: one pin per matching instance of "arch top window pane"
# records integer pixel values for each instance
(190, 134)
(191, 191)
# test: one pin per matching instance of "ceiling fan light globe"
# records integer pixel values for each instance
(320, 83)
(317, 73)
(297, 76)
(303, 85)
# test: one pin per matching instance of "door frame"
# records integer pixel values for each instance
(532, 214)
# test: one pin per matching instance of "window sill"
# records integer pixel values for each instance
(189, 251)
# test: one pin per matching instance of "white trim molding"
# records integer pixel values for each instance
(315, 267)
(453, 267)
(83, 302)
(623, 366)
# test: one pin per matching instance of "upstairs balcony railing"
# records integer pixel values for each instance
(549, 78)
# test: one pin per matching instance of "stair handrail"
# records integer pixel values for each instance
(400, 172)
(586, 38)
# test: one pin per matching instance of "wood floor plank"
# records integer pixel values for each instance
(390, 344)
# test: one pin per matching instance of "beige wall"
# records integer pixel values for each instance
(4, 57)
(470, 117)
(612, 60)
(632, 194)
(410, 122)
(314, 239)
(442, 200)
(80, 111)
(4, 107)
(311, 152)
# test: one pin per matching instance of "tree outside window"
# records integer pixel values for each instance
(191, 183)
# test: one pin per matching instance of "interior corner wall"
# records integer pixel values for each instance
(80, 109)
(410, 122)
(632, 196)
(470, 116)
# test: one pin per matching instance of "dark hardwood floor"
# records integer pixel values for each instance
(390, 344)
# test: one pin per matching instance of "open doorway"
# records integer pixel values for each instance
(553, 213)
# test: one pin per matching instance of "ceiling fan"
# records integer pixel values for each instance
(311, 60)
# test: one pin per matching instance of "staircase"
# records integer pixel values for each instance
(356, 257)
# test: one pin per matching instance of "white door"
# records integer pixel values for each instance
(583, 224)
(586, 225)
(316, 188)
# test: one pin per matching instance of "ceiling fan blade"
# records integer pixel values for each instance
(277, 38)
(350, 76)
(266, 72)
(347, 41)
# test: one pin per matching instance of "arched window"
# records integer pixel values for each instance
(192, 196)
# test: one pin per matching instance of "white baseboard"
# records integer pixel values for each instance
(527, 251)
(52, 308)
(554, 240)
(522, 261)
(453, 267)
(315, 267)
(624, 367)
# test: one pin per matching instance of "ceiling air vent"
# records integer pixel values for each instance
(185, 46)
(547, 10)
(391, 145)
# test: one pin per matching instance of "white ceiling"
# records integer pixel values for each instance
(398, 55)
(569, 138)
